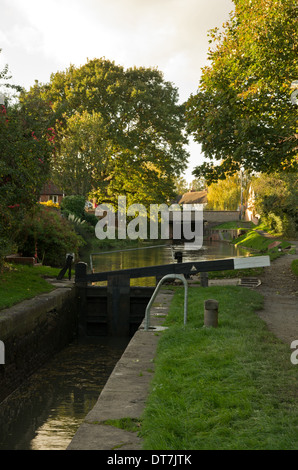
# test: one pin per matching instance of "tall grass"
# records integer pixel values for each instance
(231, 387)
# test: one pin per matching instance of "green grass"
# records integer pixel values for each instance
(294, 266)
(235, 225)
(253, 240)
(21, 282)
(235, 273)
(231, 387)
(257, 242)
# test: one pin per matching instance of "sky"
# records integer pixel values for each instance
(39, 37)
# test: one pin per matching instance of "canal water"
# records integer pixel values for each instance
(160, 254)
(46, 411)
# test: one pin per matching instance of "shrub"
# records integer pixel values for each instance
(51, 234)
(91, 219)
(50, 204)
(73, 205)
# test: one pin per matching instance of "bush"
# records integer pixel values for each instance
(280, 224)
(50, 204)
(76, 205)
(51, 234)
(73, 205)
(7, 247)
(91, 219)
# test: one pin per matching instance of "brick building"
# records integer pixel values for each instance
(51, 192)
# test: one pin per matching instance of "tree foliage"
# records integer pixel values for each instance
(242, 114)
(226, 194)
(49, 233)
(24, 163)
(123, 127)
(276, 201)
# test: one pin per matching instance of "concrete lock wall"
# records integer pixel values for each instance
(32, 331)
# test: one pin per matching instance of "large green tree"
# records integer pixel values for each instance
(242, 114)
(126, 124)
(84, 150)
(24, 162)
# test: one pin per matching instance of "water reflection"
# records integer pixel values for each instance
(157, 255)
(45, 412)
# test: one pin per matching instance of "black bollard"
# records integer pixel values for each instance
(178, 256)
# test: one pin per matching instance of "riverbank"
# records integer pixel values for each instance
(138, 391)
(149, 373)
(255, 238)
(21, 282)
(34, 330)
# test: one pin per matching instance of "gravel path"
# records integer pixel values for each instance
(280, 290)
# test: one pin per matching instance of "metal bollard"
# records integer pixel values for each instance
(211, 313)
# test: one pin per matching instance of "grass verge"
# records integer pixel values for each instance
(231, 387)
(294, 266)
(21, 282)
(235, 225)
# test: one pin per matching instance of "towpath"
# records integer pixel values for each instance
(280, 290)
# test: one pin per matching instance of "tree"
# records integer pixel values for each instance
(84, 152)
(242, 114)
(276, 198)
(24, 157)
(181, 186)
(198, 184)
(132, 122)
(226, 194)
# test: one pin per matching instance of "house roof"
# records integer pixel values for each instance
(51, 189)
(193, 197)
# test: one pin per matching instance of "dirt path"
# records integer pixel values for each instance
(280, 290)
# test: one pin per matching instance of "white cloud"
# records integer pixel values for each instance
(27, 38)
(38, 38)
(131, 32)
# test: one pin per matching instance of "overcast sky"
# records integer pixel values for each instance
(39, 37)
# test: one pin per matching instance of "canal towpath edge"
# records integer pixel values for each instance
(127, 389)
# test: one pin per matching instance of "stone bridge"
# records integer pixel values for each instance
(214, 217)
(210, 219)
